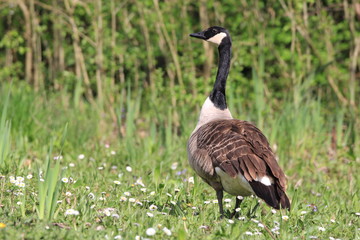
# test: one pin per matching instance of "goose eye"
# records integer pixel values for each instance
(214, 30)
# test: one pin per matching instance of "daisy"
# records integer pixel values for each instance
(322, 229)
(153, 207)
(150, 231)
(65, 180)
(174, 166)
(167, 231)
(71, 212)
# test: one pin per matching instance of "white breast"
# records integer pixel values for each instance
(210, 113)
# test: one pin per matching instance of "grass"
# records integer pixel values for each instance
(118, 180)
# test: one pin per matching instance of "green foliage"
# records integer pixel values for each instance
(49, 185)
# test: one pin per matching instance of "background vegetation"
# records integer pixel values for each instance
(114, 88)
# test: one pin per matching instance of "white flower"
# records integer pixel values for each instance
(71, 164)
(153, 207)
(321, 229)
(115, 215)
(68, 194)
(174, 166)
(152, 193)
(132, 200)
(241, 218)
(177, 190)
(231, 221)
(100, 168)
(167, 231)
(118, 237)
(150, 231)
(143, 189)
(261, 225)
(228, 205)
(237, 209)
(58, 157)
(285, 218)
(357, 213)
(191, 180)
(168, 194)
(117, 182)
(215, 201)
(128, 168)
(19, 179)
(19, 184)
(42, 180)
(65, 180)
(240, 197)
(227, 200)
(257, 233)
(81, 156)
(127, 194)
(30, 176)
(303, 212)
(150, 214)
(71, 212)
(273, 211)
(249, 233)
(107, 212)
(19, 203)
(173, 202)
(112, 152)
(139, 182)
(87, 187)
(207, 202)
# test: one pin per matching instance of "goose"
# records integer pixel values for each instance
(229, 154)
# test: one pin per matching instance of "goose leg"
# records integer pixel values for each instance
(237, 204)
(219, 195)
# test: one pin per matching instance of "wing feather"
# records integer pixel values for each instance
(239, 147)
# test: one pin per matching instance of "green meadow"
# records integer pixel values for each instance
(98, 99)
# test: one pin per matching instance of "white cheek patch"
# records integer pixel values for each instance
(217, 38)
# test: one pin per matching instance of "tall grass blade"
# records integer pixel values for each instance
(5, 128)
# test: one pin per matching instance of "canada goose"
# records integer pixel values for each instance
(229, 154)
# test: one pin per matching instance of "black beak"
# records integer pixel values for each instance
(198, 35)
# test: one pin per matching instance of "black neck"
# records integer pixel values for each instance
(217, 96)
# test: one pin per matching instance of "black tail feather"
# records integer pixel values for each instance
(272, 195)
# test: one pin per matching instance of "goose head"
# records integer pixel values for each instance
(215, 34)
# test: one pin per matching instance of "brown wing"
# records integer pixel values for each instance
(239, 147)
